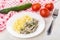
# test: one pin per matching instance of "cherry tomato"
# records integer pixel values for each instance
(44, 12)
(49, 6)
(36, 6)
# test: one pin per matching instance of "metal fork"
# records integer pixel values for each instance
(54, 15)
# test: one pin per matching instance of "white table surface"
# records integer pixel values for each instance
(55, 35)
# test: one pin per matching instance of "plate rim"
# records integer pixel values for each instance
(29, 36)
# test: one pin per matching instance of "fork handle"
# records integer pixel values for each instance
(50, 28)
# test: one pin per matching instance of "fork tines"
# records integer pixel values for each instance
(55, 12)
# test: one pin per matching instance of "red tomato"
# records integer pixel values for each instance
(49, 6)
(44, 12)
(36, 6)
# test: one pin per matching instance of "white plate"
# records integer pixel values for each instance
(41, 24)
